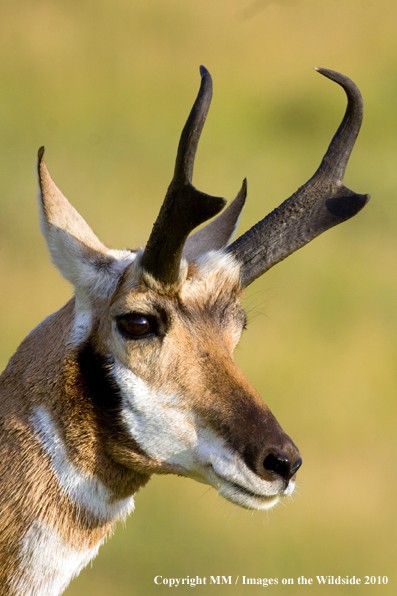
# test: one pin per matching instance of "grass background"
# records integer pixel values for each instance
(107, 86)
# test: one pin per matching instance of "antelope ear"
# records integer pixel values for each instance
(75, 250)
(219, 232)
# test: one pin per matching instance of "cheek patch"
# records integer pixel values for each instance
(156, 421)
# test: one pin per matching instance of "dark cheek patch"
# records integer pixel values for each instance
(104, 394)
(96, 372)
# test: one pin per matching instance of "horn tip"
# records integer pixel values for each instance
(204, 73)
(330, 74)
(40, 153)
(339, 78)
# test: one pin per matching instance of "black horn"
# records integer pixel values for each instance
(320, 204)
(184, 206)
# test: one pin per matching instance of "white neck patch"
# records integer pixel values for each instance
(47, 563)
(86, 491)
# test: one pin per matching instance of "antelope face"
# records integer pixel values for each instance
(155, 330)
(183, 399)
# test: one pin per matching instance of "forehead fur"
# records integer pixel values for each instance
(214, 273)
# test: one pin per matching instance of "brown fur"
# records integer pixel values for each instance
(33, 493)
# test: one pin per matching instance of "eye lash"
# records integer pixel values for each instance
(245, 320)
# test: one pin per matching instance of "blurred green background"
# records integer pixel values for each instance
(106, 85)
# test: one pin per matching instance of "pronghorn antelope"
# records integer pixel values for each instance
(135, 375)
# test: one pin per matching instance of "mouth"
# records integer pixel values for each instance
(226, 471)
(243, 497)
(252, 497)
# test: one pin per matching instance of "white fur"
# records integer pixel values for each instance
(48, 563)
(229, 474)
(166, 430)
(88, 280)
(106, 282)
(158, 422)
(217, 260)
(86, 491)
(82, 324)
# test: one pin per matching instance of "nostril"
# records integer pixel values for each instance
(281, 465)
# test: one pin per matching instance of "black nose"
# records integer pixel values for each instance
(282, 465)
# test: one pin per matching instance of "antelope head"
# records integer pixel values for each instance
(149, 355)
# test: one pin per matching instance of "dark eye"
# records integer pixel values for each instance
(136, 326)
